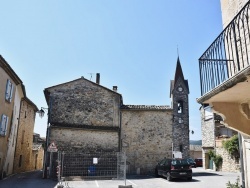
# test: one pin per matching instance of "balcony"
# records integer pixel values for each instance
(228, 55)
(225, 73)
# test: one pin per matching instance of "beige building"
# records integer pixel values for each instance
(11, 93)
(195, 151)
(225, 76)
(37, 156)
(23, 160)
(12, 99)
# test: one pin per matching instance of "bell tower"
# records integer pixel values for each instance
(179, 91)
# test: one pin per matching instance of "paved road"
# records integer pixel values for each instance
(201, 178)
(27, 180)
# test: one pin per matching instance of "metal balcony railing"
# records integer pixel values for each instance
(228, 54)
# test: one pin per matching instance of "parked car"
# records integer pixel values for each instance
(174, 168)
(191, 162)
(198, 162)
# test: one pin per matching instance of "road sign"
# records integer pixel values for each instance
(52, 147)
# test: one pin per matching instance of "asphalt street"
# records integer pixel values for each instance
(201, 178)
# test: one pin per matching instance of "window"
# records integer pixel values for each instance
(180, 107)
(20, 160)
(23, 132)
(181, 149)
(3, 125)
(9, 91)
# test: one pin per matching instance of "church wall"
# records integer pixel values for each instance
(146, 138)
(82, 102)
(74, 140)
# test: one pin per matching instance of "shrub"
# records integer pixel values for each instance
(232, 146)
(217, 159)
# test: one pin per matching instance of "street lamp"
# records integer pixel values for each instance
(192, 132)
(42, 111)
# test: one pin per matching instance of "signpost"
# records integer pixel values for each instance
(52, 148)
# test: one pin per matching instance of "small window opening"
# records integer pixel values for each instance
(180, 107)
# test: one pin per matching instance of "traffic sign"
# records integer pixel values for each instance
(52, 147)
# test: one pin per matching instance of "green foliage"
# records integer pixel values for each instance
(232, 146)
(211, 154)
(217, 161)
(216, 158)
(234, 185)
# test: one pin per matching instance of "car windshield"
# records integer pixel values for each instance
(179, 162)
(190, 160)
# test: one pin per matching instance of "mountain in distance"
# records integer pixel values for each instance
(195, 142)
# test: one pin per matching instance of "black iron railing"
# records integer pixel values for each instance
(228, 54)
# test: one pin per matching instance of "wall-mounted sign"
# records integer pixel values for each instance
(95, 160)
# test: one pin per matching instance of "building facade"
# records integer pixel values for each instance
(24, 147)
(225, 76)
(214, 133)
(85, 117)
(12, 95)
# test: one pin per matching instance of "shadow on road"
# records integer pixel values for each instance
(27, 180)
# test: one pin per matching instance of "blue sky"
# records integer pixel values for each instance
(131, 43)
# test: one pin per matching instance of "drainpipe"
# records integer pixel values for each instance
(241, 161)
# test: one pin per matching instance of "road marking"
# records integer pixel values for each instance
(96, 183)
(132, 183)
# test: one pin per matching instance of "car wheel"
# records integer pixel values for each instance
(189, 178)
(169, 177)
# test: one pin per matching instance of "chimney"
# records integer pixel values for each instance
(115, 88)
(98, 78)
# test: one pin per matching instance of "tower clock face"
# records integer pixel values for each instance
(180, 89)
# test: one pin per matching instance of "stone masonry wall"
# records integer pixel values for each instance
(229, 164)
(181, 129)
(83, 102)
(207, 130)
(230, 8)
(24, 139)
(74, 140)
(37, 159)
(146, 138)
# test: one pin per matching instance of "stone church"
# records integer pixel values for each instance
(85, 116)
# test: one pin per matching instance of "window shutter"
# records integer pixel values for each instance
(4, 124)
(7, 93)
(11, 91)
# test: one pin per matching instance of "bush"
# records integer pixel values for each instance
(217, 159)
(232, 146)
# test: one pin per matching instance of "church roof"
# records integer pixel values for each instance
(178, 71)
(145, 107)
(178, 74)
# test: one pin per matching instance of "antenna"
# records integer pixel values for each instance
(91, 75)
